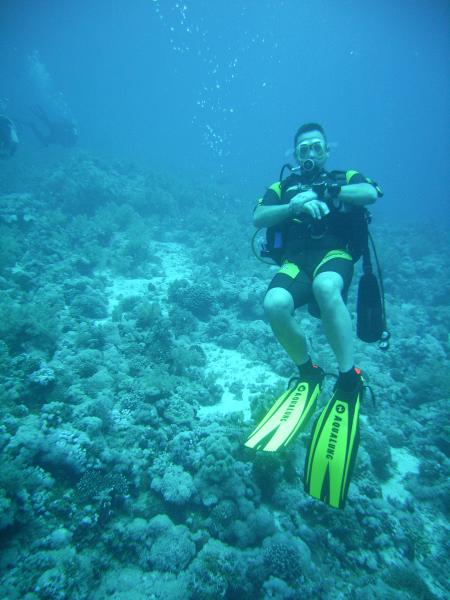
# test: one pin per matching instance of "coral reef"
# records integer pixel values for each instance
(134, 357)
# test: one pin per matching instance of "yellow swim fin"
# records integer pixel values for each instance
(289, 414)
(333, 447)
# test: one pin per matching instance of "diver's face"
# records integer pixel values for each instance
(311, 151)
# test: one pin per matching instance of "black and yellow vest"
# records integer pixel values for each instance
(347, 229)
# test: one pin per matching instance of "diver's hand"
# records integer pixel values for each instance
(298, 201)
(316, 209)
(308, 203)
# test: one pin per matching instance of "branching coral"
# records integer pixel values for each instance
(199, 299)
(286, 557)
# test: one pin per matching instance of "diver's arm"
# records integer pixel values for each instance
(266, 216)
(272, 214)
(358, 194)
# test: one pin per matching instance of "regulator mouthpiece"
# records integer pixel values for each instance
(308, 164)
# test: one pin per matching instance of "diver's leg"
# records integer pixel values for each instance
(279, 309)
(336, 320)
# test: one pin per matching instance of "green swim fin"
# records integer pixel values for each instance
(289, 415)
(333, 447)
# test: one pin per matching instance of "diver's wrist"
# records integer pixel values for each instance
(291, 209)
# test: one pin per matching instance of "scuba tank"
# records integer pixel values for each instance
(370, 307)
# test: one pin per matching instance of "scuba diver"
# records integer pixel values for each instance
(9, 139)
(315, 220)
(61, 131)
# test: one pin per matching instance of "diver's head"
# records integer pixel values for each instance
(310, 148)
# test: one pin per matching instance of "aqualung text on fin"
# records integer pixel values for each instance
(332, 451)
(289, 414)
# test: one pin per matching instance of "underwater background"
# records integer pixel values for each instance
(134, 353)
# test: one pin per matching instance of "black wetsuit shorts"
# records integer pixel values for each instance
(296, 275)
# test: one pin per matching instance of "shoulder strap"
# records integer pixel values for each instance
(344, 178)
(276, 187)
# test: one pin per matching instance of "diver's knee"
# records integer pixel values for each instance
(327, 290)
(278, 304)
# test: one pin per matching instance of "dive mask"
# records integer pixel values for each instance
(316, 147)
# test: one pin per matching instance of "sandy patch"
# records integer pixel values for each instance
(404, 463)
(121, 287)
(239, 377)
(175, 264)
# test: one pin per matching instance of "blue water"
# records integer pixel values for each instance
(160, 82)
